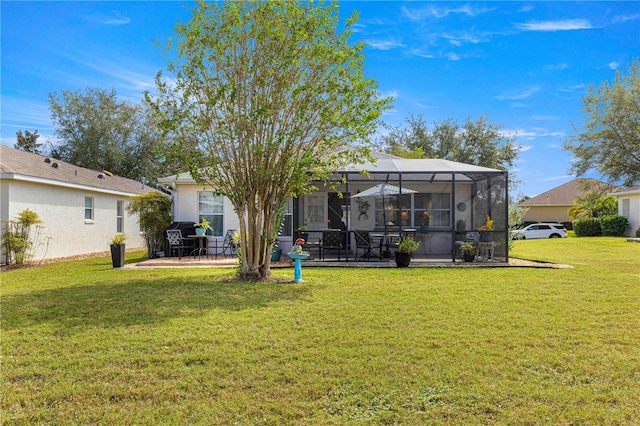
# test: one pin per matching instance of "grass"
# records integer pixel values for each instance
(84, 343)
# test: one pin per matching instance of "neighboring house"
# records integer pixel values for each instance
(81, 209)
(456, 198)
(629, 207)
(554, 205)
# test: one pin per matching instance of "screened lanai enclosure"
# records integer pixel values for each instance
(439, 203)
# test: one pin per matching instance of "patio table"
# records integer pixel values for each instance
(387, 238)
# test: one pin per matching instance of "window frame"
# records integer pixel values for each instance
(217, 201)
(120, 216)
(89, 209)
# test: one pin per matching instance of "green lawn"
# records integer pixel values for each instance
(84, 343)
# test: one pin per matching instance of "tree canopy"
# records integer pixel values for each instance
(28, 141)
(265, 98)
(610, 142)
(97, 131)
(475, 142)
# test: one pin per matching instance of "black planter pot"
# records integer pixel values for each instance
(117, 255)
(403, 259)
(468, 257)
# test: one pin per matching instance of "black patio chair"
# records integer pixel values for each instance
(228, 243)
(364, 242)
(177, 242)
(331, 240)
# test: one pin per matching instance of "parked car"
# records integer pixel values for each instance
(540, 230)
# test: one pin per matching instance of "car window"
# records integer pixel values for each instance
(544, 227)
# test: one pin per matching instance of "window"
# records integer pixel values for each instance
(211, 207)
(435, 206)
(315, 208)
(88, 209)
(119, 216)
(626, 207)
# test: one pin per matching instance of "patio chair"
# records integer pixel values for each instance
(228, 243)
(363, 241)
(177, 242)
(331, 240)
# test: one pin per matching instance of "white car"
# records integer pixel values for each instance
(540, 230)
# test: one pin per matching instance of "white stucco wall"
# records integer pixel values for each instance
(62, 213)
(634, 211)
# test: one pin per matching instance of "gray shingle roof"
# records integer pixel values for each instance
(17, 164)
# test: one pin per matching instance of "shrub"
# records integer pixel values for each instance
(154, 213)
(20, 237)
(638, 233)
(614, 225)
(587, 227)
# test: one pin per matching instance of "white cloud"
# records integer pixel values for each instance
(625, 18)
(554, 178)
(572, 88)
(384, 44)
(561, 25)
(526, 8)
(512, 96)
(545, 117)
(525, 148)
(556, 67)
(613, 65)
(114, 19)
(388, 94)
(441, 12)
(421, 53)
(453, 56)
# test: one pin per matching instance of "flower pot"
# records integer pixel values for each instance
(117, 255)
(468, 257)
(486, 236)
(424, 229)
(200, 231)
(275, 254)
(403, 259)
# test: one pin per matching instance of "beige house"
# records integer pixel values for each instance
(629, 207)
(81, 209)
(553, 205)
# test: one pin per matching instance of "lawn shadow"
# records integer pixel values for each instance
(138, 301)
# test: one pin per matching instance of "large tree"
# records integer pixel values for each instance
(610, 142)
(475, 142)
(27, 141)
(266, 98)
(97, 131)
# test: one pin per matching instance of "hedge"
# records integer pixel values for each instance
(587, 227)
(614, 225)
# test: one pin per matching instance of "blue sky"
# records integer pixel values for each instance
(524, 64)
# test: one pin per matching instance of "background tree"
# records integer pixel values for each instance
(475, 142)
(610, 142)
(99, 132)
(154, 214)
(593, 204)
(28, 142)
(267, 98)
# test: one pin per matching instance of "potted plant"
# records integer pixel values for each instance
(276, 253)
(424, 222)
(118, 250)
(469, 251)
(203, 226)
(303, 232)
(406, 247)
(486, 230)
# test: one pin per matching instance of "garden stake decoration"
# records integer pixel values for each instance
(296, 253)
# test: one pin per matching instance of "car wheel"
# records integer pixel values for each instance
(554, 236)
